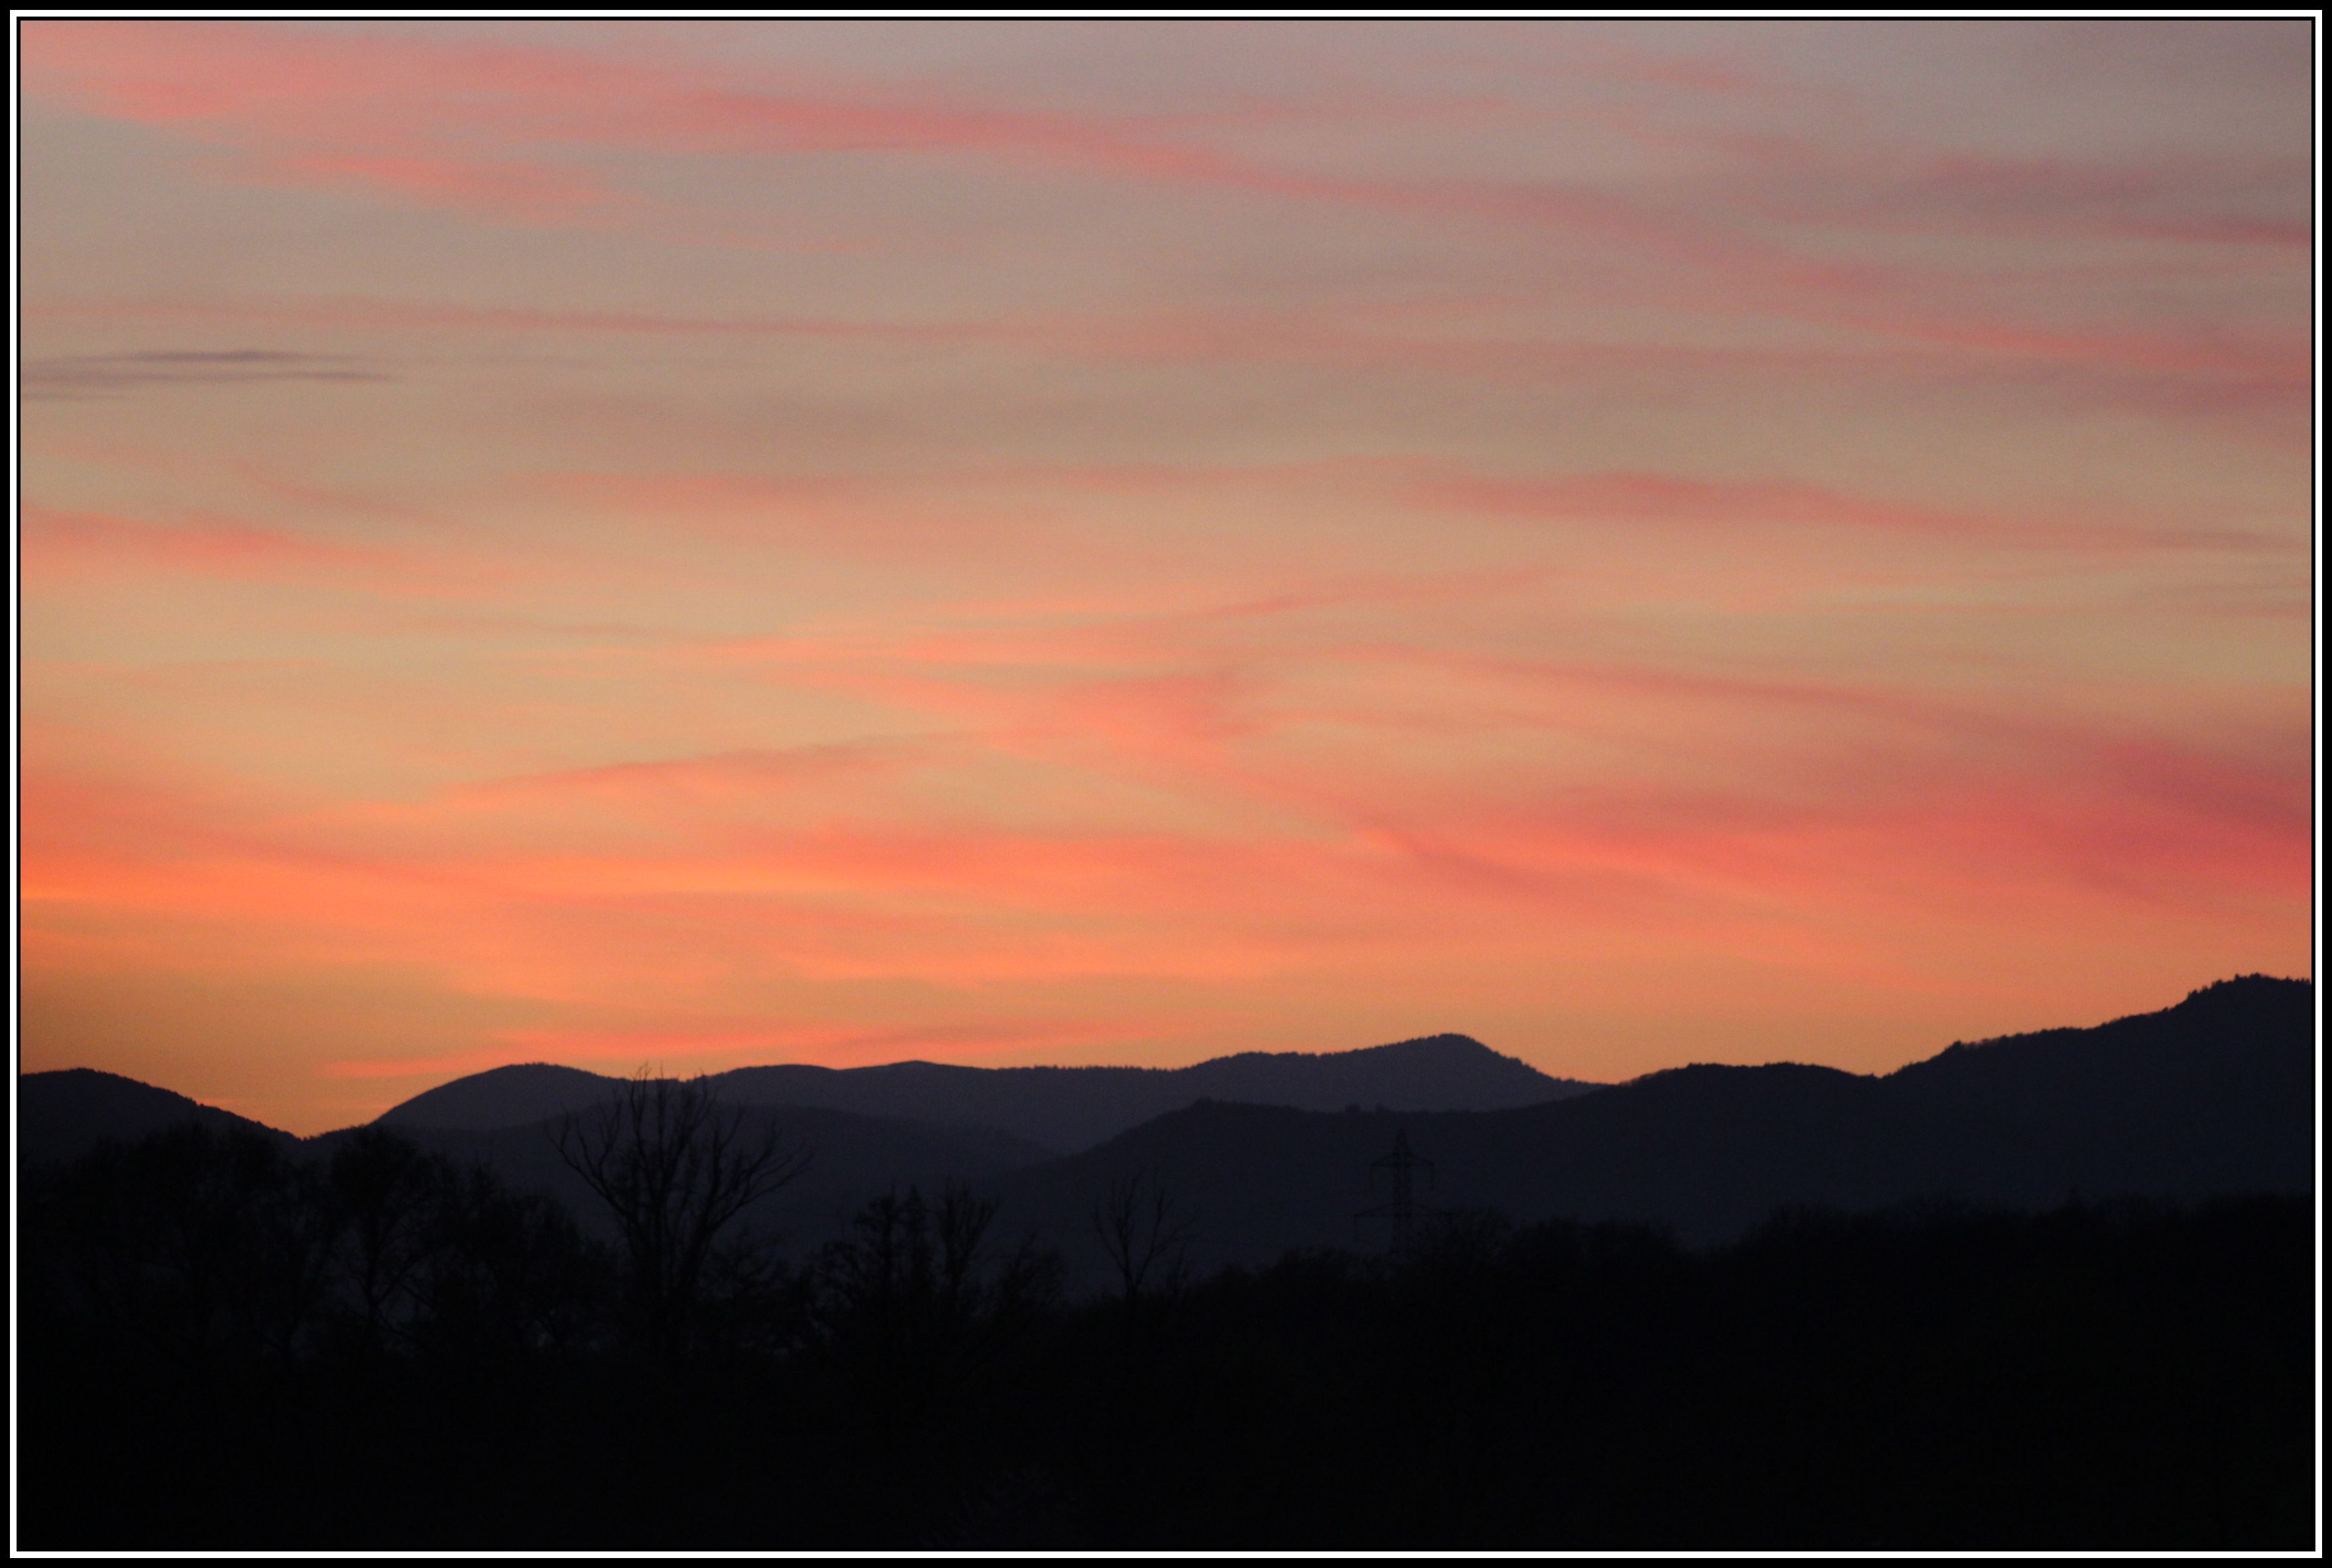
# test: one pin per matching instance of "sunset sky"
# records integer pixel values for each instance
(709, 543)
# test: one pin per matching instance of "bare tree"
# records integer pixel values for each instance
(675, 1167)
(1146, 1241)
(917, 1305)
(387, 1195)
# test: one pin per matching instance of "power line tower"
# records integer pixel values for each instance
(1403, 1210)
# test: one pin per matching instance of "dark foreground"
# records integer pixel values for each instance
(222, 1347)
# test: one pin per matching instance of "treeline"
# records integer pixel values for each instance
(224, 1345)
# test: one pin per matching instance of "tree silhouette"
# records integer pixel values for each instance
(2125, 1374)
(387, 1197)
(515, 1274)
(917, 1304)
(1147, 1241)
(193, 1244)
(675, 1167)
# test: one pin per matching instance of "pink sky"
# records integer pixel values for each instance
(705, 543)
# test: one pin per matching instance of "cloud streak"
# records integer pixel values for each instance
(62, 548)
(757, 540)
(77, 376)
(260, 91)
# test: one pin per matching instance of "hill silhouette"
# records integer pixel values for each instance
(509, 1096)
(61, 1115)
(1062, 1109)
(248, 1342)
(2213, 1095)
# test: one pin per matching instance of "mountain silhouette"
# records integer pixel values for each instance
(512, 1096)
(1062, 1109)
(293, 1343)
(61, 1115)
(2213, 1095)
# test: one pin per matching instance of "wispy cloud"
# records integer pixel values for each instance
(1639, 499)
(63, 546)
(1910, 347)
(1075, 539)
(78, 376)
(312, 107)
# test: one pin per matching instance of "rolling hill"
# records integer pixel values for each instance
(2216, 1095)
(62, 1115)
(1062, 1109)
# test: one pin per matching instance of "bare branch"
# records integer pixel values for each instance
(1139, 1236)
(675, 1168)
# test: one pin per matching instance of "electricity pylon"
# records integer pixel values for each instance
(1404, 1209)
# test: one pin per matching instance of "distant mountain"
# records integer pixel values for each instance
(61, 1115)
(2213, 1095)
(1063, 1109)
(503, 1097)
(2216, 1095)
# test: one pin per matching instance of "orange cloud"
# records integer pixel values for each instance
(1651, 552)
(1900, 344)
(476, 142)
(63, 546)
(1666, 498)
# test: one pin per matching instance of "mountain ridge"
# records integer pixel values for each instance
(80, 1106)
(2214, 1094)
(1061, 1108)
(2201, 1098)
